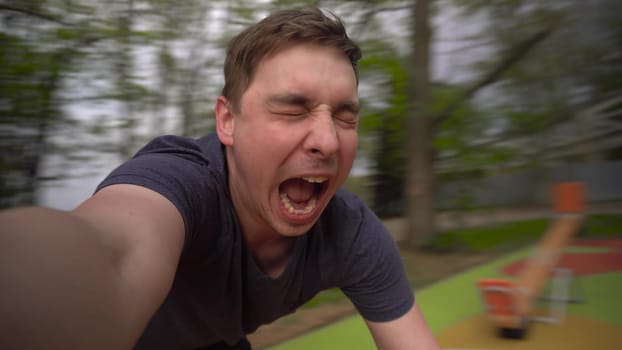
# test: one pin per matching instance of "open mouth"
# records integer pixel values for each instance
(300, 195)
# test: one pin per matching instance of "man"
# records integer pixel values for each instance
(193, 244)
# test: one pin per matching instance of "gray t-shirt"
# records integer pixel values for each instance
(219, 293)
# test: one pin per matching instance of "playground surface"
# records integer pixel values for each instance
(454, 311)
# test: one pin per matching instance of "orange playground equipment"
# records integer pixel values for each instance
(510, 303)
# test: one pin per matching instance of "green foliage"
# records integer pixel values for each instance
(55, 54)
(526, 122)
(29, 75)
(387, 125)
(358, 185)
(578, 64)
(464, 125)
(52, 49)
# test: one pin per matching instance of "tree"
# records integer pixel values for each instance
(579, 67)
(420, 183)
(77, 80)
(31, 69)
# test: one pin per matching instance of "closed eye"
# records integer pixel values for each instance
(347, 120)
(289, 105)
(347, 114)
(297, 113)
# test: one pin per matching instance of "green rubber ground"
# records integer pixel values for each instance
(456, 299)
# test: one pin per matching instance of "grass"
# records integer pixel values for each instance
(517, 234)
(333, 295)
(507, 235)
(603, 225)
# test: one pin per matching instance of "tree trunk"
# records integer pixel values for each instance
(419, 191)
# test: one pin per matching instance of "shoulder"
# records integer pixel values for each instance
(206, 150)
(368, 262)
(352, 226)
(346, 203)
(188, 172)
(167, 158)
(348, 209)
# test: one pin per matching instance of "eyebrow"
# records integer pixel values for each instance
(289, 99)
(350, 106)
(296, 99)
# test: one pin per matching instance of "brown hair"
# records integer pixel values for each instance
(282, 28)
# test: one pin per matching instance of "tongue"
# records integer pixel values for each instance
(298, 190)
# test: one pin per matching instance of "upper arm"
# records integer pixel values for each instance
(410, 331)
(145, 233)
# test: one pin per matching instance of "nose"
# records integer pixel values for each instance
(322, 141)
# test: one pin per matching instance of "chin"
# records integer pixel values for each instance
(294, 231)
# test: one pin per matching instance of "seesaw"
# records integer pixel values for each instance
(510, 303)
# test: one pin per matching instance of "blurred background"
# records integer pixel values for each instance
(470, 107)
(467, 104)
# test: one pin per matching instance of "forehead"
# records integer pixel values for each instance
(302, 67)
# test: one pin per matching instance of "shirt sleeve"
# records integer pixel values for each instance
(173, 167)
(373, 276)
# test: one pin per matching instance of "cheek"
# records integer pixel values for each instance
(349, 144)
(260, 153)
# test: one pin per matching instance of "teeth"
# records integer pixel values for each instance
(290, 208)
(312, 202)
(315, 179)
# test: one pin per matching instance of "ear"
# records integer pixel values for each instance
(224, 120)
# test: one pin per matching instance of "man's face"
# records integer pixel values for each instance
(293, 140)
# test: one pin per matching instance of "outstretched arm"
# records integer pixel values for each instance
(90, 278)
(407, 332)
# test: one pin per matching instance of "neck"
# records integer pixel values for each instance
(271, 255)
